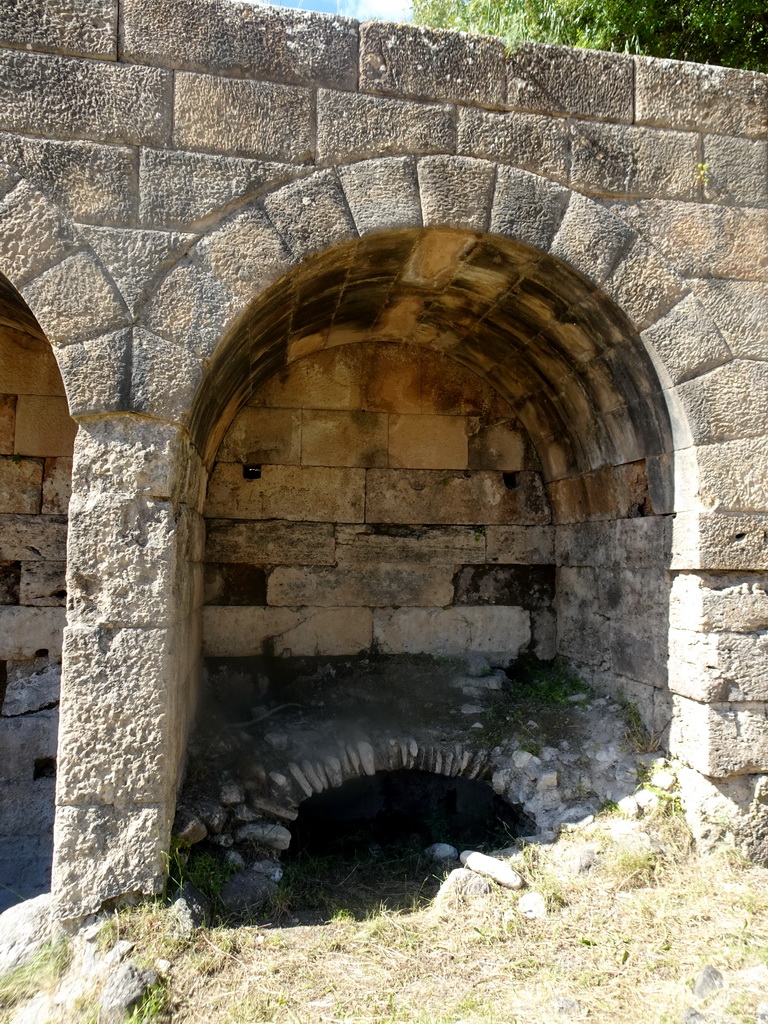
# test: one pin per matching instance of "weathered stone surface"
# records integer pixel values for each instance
(190, 909)
(373, 586)
(676, 94)
(644, 285)
(719, 667)
(67, 173)
(264, 435)
(428, 442)
(559, 80)
(432, 496)
(686, 342)
(25, 928)
(345, 438)
(382, 194)
(530, 141)
(245, 253)
(297, 46)
(164, 377)
(311, 214)
(242, 118)
(492, 867)
(302, 632)
(43, 426)
(270, 542)
(43, 584)
(740, 310)
(527, 208)
(630, 161)
(719, 540)
(704, 240)
(97, 378)
(526, 545)
(590, 238)
(20, 485)
(456, 192)
(736, 170)
(64, 96)
(526, 586)
(411, 60)
(315, 493)
(23, 537)
(351, 126)
(25, 631)
(87, 29)
(246, 892)
(452, 631)
(713, 402)
(720, 740)
(124, 989)
(431, 545)
(717, 602)
(34, 234)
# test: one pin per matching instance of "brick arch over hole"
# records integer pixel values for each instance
(562, 354)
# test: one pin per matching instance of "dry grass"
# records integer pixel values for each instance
(625, 941)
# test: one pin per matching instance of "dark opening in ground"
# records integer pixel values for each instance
(360, 847)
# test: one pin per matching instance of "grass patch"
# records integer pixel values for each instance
(40, 975)
(624, 941)
(544, 682)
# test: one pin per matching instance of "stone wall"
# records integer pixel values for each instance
(195, 194)
(36, 437)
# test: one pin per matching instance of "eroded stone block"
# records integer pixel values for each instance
(451, 632)
(524, 545)
(428, 442)
(372, 586)
(288, 632)
(269, 543)
(344, 438)
(43, 427)
(87, 28)
(530, 141)
(315, 493)
(431, 545)
(25, 631)
(43, 584)
(20, 485)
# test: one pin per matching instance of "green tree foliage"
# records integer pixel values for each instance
(729, 32)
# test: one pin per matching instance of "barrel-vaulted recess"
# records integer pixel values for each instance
(546, 339)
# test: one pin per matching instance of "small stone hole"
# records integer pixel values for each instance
(510, 480)
(42, 653)
(740, 536)
(45, 768)
(251, 472)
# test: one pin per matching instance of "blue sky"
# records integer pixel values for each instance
(389, 10)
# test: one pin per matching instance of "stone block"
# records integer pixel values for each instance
(527, 208)
(719, 602)
(591, 238)
(29, 366)
(314, 493)
(287, 632)
(242, 118)
(311, 214)
(644, 285)
(638, 652)
(530, 141)
(500, 446)
(329, 380)
(714, 404)
(526, 586)
(416, 545)
(24, 537)
(719, 540)
(43, 427)
(7, 423)
(719, 740)
(704, 239)
(97, 377)
(86, 29)
(701, 97)
(391, 379)
(294, 46)
(351, 126)
(164, 377)
(456, 191)
(192, 308)
(25, 631)
(736, 170)
(629, 161)
(21, 482)
(444, 497)
(343, 438)
(382, 194)
(732, 475)
(451, 632)
(428, 442)
(43, 584)
(24, 740)
(685, 342)
(178, 188)
(10, 578)
(586, 543)
(245, 253)
(644, 542)
(561, 80)
(263, 435)
(427, 63)
(103, 852)
(521, 545)
(128, 674)
(32, 686)
(269, 543)
(367, 586)
(718, 667)
(75, 299)
(65, 171)
(33, 233)
(235, 583)
(43, 94)
(740, 310)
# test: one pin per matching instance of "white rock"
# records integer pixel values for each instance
(231, 793)
(270, 868)
(646, 800)
(548, 780)
(663, 779)
(442, 851)
(532, 905)
(489, 867)
(521, 758)
(629, 807)
(276, 836)
(23, 930)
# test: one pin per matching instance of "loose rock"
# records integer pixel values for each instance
(188, 828)
(442, 851)
(460, 884)
(23, 930)
(492, 868)
(125, 988)
(190, 909)
(532, 905)
(708, 981)
(276, 836)
(246, 891)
